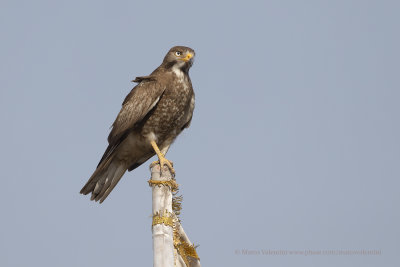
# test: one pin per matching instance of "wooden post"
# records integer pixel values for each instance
(163, 243)
(171, 245)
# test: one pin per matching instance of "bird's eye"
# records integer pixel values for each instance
(178, 54)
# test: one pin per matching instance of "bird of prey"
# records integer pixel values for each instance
(153, 114)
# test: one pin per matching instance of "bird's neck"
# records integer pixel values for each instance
(181, 74)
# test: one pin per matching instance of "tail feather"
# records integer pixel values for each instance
(104, 179)
(111, 183)
(92, 182)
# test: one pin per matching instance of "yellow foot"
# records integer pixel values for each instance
(163, 161)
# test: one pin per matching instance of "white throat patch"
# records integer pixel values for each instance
(178, 72)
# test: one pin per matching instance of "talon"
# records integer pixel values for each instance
(162, 160)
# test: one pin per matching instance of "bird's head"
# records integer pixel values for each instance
(179, 57)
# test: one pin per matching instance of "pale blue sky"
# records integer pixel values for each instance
(294, 144)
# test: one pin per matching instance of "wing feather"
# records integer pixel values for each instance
(139, 102)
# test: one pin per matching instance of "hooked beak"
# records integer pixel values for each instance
(188, 57)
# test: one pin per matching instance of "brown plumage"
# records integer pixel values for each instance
(153, 114)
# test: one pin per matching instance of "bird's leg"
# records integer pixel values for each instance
(161, 159)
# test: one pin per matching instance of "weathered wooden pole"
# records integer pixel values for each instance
(171, 245)
(163, 237)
